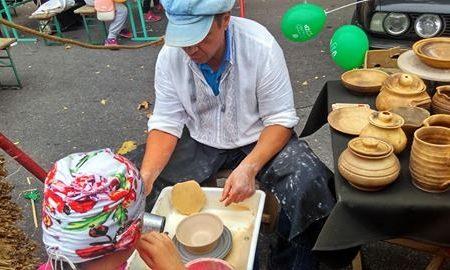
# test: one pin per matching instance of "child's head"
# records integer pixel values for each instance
(93, 207)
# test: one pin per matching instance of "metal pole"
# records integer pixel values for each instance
(23, 159)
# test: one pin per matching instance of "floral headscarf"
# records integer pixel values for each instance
(93, 206)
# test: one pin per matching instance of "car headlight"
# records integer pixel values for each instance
(376, 24)
(396, 23)
(428, 25)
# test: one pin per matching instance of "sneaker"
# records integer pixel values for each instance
(152, 17)
(125, 33)
(111, 42)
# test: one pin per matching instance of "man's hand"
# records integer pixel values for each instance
(240, 185)
(159, 252)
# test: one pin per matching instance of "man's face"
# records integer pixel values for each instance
(205, 50)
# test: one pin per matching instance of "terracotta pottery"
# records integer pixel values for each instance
(364, 81)
(386, 126)
(200, 232)
(403, 90)
(441, 100)
(437, 120)
(369, 164)
(434, 52)
(349, 120)
(430, 159)
(413, 116)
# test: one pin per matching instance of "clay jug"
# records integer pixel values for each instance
(386, 126)
(430, 159)
(369, 164)
(402, 89)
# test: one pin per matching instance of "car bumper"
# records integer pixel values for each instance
(387, 43)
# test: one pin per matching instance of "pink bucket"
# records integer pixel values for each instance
(208, 264)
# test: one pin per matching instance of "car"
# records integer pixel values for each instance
(391, 23)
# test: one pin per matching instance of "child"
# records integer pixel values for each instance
(116, 27)
(92, 215)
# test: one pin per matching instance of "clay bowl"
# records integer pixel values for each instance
(430, 159)
(208, 264)
(434, 52)
(437, 120)
(440, 103)
(199, 233)
(413, 116)
(364, 81)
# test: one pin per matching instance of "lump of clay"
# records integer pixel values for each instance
(188, 197)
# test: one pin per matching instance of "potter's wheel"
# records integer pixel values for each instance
(222, 249)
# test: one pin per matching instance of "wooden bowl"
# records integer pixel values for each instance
(350, 120)
(199, 233)
(434, 52)
(437, 120)
(413, 116)
(364, 81)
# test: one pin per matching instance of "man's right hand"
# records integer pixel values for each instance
(159, 148)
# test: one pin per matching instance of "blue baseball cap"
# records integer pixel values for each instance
(191, 20)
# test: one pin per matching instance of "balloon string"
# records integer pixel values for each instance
(348, 5)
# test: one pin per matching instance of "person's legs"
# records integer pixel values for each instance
(119, 21)
(300, 181)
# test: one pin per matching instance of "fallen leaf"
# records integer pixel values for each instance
(67, 47)
(149, 115)
(97, 72)
(305, 83)
(143, 105)
(103, 101)
(65, 108)
(127, 146)
(16, 143)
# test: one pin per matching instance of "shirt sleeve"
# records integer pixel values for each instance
(274, 91)
(169, 114)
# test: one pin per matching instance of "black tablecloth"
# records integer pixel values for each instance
(400, 210)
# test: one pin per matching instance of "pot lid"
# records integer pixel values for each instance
(405, 83)
(372, 147)
(386, 119)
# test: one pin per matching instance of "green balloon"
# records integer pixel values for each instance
(348, 47)
(303, 22)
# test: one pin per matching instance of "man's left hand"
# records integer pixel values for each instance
(240, 185)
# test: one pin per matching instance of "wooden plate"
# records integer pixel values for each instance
(434, 52)
(365, 81)
(349, 120)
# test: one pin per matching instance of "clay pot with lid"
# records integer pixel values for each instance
(430, 159)
(441, 100)
(386, 126)
(369, 164)
(402, 89)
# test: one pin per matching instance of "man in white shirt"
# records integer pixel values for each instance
(225, 79)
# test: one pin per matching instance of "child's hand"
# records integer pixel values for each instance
(159, 252)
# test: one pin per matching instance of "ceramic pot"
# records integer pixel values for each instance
(437, 120)
(430, 159)
(369, 164)
(441, 100)
(403, 90)
(386, 126)
(413, 116)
